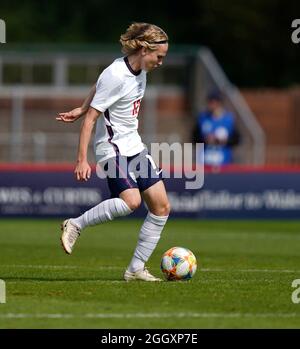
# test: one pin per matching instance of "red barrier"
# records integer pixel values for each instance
(69, 167)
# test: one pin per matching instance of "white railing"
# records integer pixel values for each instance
(42, 146)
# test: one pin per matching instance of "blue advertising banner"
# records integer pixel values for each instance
(239, 195)
(236, 195)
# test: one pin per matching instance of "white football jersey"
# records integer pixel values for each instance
(119, 92)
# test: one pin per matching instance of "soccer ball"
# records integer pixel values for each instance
(178, 263)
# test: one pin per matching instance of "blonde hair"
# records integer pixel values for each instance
(140, 35)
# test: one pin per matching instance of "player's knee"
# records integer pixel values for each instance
(163, 209)
(167, 208)
(134, 202)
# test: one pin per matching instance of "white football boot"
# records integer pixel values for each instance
(69, 236)
(140, 275)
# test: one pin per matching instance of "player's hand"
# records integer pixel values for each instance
(70, 116)
(82, 171)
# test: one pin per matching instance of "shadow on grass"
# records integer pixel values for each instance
(55, 279)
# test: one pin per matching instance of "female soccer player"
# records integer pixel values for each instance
(113, 104)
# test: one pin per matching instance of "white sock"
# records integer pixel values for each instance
(106, 211)
(148, 239)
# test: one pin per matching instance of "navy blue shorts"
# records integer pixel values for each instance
(138, 171)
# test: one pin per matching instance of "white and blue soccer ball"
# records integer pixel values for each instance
(178, 263)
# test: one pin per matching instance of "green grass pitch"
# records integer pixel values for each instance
(244, 277)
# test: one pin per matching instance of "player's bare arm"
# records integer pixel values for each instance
(77, 113)
(83, 169)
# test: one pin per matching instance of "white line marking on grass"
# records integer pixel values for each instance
(111, 267)
(255, 235)
(148, 315)
(250, 270)
(31, 266)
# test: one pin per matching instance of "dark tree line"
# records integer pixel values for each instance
(252, 39)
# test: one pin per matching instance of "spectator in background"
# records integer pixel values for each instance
(215, 127)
